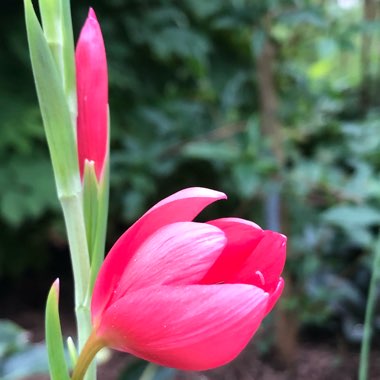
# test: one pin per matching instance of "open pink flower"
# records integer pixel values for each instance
(92, 95)
(185, 294)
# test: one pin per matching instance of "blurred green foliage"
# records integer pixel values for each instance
(141, 369)
(18, 357)
(185, 111)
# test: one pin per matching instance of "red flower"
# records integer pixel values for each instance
(184, 294)
(92, 95)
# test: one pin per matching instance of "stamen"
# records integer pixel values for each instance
(261, 276)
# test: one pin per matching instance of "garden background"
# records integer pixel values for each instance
(276, 103)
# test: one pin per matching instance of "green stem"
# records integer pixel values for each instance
(76, 232)
(90, 349)
(369, 316)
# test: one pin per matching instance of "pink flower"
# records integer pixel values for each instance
(185, 294)
(92, 95)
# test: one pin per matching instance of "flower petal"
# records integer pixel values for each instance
(184, 205)
(176, 254)
(264, 266)
(275, 295)
(243, 237)
(194, 327)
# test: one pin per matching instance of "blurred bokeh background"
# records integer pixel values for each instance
(276, 103)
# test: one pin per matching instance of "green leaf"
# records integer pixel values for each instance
(54, 107)
(95, 200)
(259, 38)
(303, 16)
(203, 9)
(21, 181)
(181, 42)
(95, 208)
(54, 341)
(352, 216)
(90, 202)
(223, 151)
(58, 30)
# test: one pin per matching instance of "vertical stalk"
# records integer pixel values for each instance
(76, 233)
(369, 315)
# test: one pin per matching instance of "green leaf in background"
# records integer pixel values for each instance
(12, 338)
(54, 341)
(31, 361)
(26, 189)
(54, 107)
(355, 221)
(19, 358)
(307, 16)
(259, 38)
(352, 216)
(223, 151)
(181, 42)
(203, 9)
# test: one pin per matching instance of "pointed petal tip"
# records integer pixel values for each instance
(192, 196)
(216, 194)
(202, 192)
(91, 14)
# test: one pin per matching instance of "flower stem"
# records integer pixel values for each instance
(90, 349)
(76, 232)
(369, 315)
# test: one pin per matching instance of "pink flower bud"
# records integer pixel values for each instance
(184, 294)
(92, 94)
